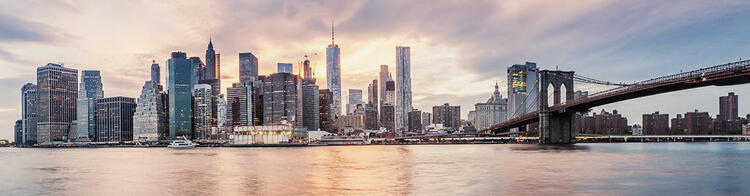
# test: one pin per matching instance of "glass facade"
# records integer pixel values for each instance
(114, 119)
(248, 67)
(30, 115)
(90, 90)
(333, 76)
(202, 121)
(150, 118)
(58, 91)
(180, 88)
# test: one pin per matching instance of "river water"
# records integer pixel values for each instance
(501, 169)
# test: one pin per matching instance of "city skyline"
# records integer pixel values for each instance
(124, 72)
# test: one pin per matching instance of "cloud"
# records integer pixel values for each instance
(17, 29)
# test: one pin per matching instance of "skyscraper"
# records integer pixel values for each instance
(90, 90)
(403, 86)
(728, 107)
(285, 68)
(213, 66)
(372, 93)
(333, 74)
(29, 113)
(522, 89)
(355, 98)
(18, 133)
(248, 67)
(387, 108)
(237, 105)
(384, 76)
(199, 69)
(449, 116)
(282, 99)
(221, 106)
(311, 107)
(150, 122)
(202, 120)
(426, 119)
(326, 118)
(491, 112)
(114, 119)
(155, 72)
(308, 78)
(58, 91)
(180, 89)
(414, 121)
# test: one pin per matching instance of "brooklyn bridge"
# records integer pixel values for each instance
(556, 120)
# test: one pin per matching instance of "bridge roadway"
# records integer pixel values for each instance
(719, 75)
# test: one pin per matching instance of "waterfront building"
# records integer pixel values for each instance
(29, 113)
(415, 121)
(522, 88)
(114, 119)
(180, 89)
(150, 122)
(697, 123)
(58, 92)
(656, 124)
(326, 115)
(403, 86)
(678, 123)
(18, 132)
(449, 116)
(491, 112)
(202, 102)
(371, 117)
(155, 72)
(608, 123)
(333, 74)
(354, 120)
(372, 94)
(237, 105)
(311, 106)
(387, 116)
(426, 119)
(265, 134)
(248, 67)
(355, 99)
(384, 76)
(90, 90)
(728, 107)
(282, 99)
(472, 117)
(285, 68)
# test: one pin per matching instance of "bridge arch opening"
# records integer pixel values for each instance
(563, 90)
(550, 95)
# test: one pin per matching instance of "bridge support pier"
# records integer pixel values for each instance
(556, 128)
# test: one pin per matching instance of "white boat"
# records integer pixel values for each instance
(182, 144)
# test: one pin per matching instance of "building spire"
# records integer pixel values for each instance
(332, 38)
(210, 43)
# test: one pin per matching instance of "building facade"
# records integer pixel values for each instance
(449, 116)
(355, 99)
(202, 120)
(403, 86)
(311, 107)
(426, 120)
(522, 87)
(697, 123)
(180, 89)
(384, 76)
(90, 90)
(114, 119)
(248, 67)
(155, 72)
(493, 111)
(18, 132)
(29, 113)
(150, 122)
(326, 115)
(728, 107)
(415, 121)
(58, 92)
(655, 124)
(282, 99)
(333, 74)
(237, 105)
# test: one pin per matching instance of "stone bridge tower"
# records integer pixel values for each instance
(555, 127)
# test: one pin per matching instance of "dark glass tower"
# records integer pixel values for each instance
(180, 86)
(248, 67)
(58, 91)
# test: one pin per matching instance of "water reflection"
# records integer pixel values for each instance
(596, 169)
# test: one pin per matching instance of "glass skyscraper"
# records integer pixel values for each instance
(114, 119)
(29, 113)
(248, 67)
(90, 90)
(202, 119)
(403, 86)
(150, 118)
(333, 74)
(180, 88)
(155, 72)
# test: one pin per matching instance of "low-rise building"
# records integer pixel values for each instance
(266, 134)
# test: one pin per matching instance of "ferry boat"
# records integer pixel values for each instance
(183, 143)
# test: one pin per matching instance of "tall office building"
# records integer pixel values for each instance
(333, 74)
(58, 91)
(155, 72)
(426, 119)
(384, 76)
(282, 99)
(372, 93)
(311, 107)
(414, 121)
(237, 105)
(221, 106)
(387, 107)
(180, 89)
(522, 83)
(248, 67)
(326, 116)
(114, 119)
(198, 69)
(18, 133)
(29, 113)
(285, 68)
(403, 86)
(202, 102)
(355, 99)
(90, 90)
(213, 63)
(150, 122)
(491, 112)
(309, 77)
(655, 124)
(728, 107)
(449, 116)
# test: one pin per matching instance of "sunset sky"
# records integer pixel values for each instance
(459, 49)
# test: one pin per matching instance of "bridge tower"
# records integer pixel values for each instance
(555, 127)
